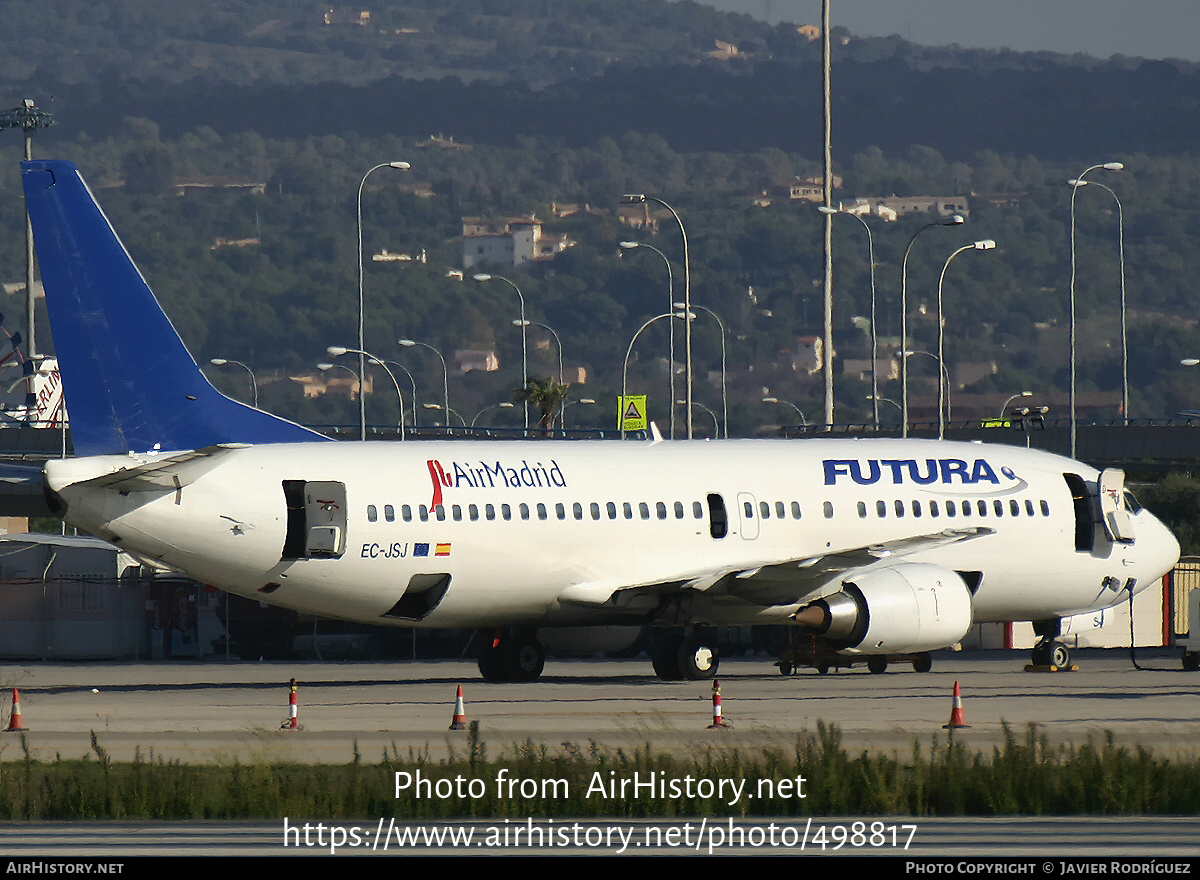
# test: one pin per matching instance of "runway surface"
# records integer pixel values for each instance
(216, 712)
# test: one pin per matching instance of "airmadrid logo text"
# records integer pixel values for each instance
(491, 476)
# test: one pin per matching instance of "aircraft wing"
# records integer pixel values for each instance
(775, 583)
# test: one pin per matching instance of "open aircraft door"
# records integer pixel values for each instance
(1113, 515)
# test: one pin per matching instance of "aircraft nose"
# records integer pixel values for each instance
(1164, 548)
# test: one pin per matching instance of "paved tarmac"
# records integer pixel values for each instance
(204, 712)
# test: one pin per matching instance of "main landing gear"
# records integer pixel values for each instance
(510, 655)
(1048, 652)
(684, 654)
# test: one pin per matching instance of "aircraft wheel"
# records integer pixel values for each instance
(877, 664)
(698, 658)
(491, 662)
(822, 668)
(525, 658)
(785, 668)
(922, 662)
(1191, 660)
(1060, 656)
(664, 654)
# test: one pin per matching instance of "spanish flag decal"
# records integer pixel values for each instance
(442, 550)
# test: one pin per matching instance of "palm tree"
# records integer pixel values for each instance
(547, 395)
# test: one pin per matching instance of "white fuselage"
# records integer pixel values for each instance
(518, 526)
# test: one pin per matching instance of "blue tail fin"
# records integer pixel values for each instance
(130, 384)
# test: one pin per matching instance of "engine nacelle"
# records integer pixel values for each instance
(904, 609)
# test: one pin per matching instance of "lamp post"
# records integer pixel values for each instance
(943, 390)
(1121, 258)
(28, 117)
(505, 405)
(1012, 398)
(1079, 181)
(699, 405)
(409, 343)
(640, 198)
(724, 395)
(481, 278)
(411, 381)
(943, 374)
(449, 412)
(630, 245)
(220, 362)
(625, 366)
(777, 401)
(824, 209)
(339, 350)
(956, 220)
(557, 341)
(362, 343)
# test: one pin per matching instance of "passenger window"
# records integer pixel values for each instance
(916, 506)
(899, 509)
(423, 513)
(934, 510)
(456, 512)
(440, 512)
(966, 508)
(523, 508)
(697, 510)
(795, 510)
(981, 506)
(389, 513)
(998, 506)
(489, 512)
(660, 509)
(1045, 508)
(951, 510)
(541, 510)
(627, 509)
(594, 509)
(862, 510)
(748, 508)
(612, 510)
(505, 512)
(828, 506)
(560, 511)
(1014, 508)
(881, 509)
(1028, 507)
(577, 510)
(678, 510)
(780, 510)
(644, 509)
(406, 512)
(764, 510)
(372, 514)
(473, 512)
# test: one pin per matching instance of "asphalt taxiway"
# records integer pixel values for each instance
(204, 712)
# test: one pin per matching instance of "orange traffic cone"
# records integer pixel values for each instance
(956, 713)
(718, 721)
(460, 716)
(14, 722)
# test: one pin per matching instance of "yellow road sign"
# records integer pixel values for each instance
(631, 412)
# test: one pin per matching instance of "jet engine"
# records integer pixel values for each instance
(903, 609)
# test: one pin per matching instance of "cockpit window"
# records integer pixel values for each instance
(1131, 503)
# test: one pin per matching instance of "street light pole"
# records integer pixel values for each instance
(956, 220)
(986, 245)
(1121, 259)
(824, 209)
(778, 402)
(362, 343)
(339, 350)
(1079, 181)
(724, 395)
(625, 366)
(482, 277)
(630, 245)
(638, 198)
(220, 362)
(409, 343)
